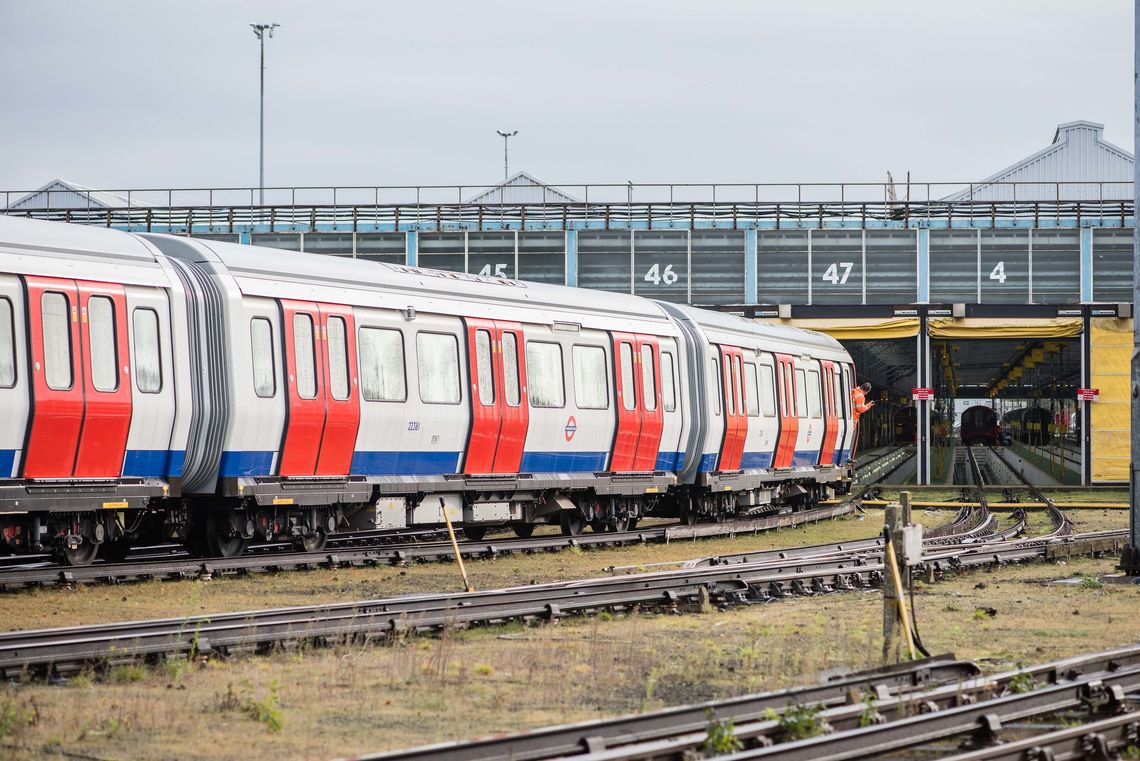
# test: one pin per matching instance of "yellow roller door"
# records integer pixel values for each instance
(853, 329)
(1110, 354)
(990, 327)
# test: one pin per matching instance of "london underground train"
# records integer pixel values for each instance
(157, 388)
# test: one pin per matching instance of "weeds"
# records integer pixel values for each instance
(265, 710)
(1022, 683)
(721, 738)
(799, 722)
(16, 715)
(1088, 581)
(128, 672)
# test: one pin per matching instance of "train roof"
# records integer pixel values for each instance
(753, 329)
(261, 271)
(56, 249)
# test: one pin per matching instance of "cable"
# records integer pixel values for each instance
(914, 623)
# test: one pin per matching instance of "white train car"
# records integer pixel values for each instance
(219, 393)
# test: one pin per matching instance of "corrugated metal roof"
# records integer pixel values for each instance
(60, 194)
(1079, 157)
(522, 188)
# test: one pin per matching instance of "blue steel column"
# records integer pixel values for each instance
(923, 265)
(750, 257)
(572, 257)
(1130, 558)
(1086, 265)
(243, 237)
(412, 255)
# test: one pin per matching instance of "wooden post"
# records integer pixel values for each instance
(455, 547)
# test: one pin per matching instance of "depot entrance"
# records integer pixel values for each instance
(1024, 367)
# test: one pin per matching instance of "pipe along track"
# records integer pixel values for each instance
(919, 707)
(832, 569)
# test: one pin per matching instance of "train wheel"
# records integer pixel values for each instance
(81, 555)
(597, 525)
(314, 542)
(523, 530)
(572, 523)
(221, 540)
(475, 533)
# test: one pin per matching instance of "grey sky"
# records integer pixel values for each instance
(126, 93)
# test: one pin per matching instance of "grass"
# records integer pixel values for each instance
(417, 690)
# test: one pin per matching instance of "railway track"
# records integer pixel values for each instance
(927, 707)
(185, 567)
(54, 651)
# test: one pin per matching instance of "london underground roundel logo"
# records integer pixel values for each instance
(571, 427)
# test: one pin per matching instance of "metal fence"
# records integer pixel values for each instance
(593, 205)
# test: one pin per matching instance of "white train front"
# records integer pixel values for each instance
(157, 387)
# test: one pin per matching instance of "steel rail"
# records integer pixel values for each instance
(62, 650)
(395, 554)
(672, 732)
(1104, 739)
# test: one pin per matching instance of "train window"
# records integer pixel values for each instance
(738, 385)
(511, 368)
(813, 394)
(261, 346)
(486, 375)
(628, 392)
(101, 335)
(544, 375)
(148, 364)
(767, 391)
(751, 391)
(380, 352)
(57, 341)
(668, 382)
(305, 361)
(438, 357)
(336, 346)
(591, 387)
(801, 394)
(714, 383)
(7, 346)
(648, 378)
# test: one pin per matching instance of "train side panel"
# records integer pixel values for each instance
(15, 403)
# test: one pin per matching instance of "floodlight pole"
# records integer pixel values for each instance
(259, 31)
(1130, 558)
(507, 136)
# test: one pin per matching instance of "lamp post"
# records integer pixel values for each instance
(260, 30)
(506, 136)
(1130, 558)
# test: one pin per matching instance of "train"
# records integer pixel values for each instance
(1029, 425)
(980, 426)
(167, 388)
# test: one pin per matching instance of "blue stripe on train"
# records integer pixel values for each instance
(563, 462)
(7, 462)
(708, 462)
(404, 463)
(150, 463)
(755, 460)
(670, 461)
(805, 459)
(245, 464)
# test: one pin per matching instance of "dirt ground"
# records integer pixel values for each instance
(340, 701)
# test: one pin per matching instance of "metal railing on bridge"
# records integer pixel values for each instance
(603, 205)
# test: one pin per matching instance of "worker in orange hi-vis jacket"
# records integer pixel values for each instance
(859, 405)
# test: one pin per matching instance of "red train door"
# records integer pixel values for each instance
(342, 393)
(57, 378)
(304, 371)
(789, 422)
(486, 419)
(830, 414)
(628, 432)
(647, 361)
(735, 415)
(514, 412)
(106, 380)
